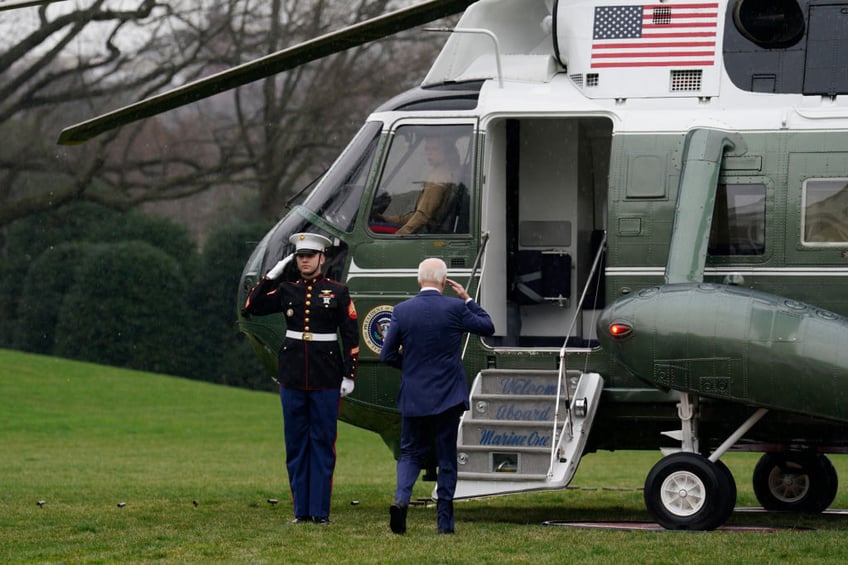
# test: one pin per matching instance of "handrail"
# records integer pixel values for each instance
(569, 424)
(480, 31)
(484, 239)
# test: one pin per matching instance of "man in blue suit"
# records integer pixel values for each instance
(424, 340)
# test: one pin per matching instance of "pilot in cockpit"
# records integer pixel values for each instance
(437, 192)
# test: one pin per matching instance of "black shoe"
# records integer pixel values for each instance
(397, 518)
(300, 520)
(322, 520)
(445, 531)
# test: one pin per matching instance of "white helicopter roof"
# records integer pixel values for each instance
(523, 34)
(623, 58)
(610, 49)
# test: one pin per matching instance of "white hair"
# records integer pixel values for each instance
(432, 270)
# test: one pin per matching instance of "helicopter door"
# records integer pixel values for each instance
(545, 202)
(421, 204)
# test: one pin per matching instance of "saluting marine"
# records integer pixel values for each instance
(312, 372)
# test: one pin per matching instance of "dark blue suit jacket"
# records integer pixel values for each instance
(424, 340)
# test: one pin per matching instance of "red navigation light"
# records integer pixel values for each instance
(619, 329)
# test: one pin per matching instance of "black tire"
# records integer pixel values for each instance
(729, 488)
(828, 492)
(686, 491)
(795, 482)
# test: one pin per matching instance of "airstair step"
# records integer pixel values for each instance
(515, 408)
(526, 382)
(487, 449)
(506, 440)
(496, 433)
(506, 462)
(501, 476)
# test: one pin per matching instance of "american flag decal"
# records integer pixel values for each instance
(655, 35)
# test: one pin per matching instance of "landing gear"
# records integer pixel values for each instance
(796, 482)
(687, 491)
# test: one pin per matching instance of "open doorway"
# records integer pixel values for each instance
(544, 206)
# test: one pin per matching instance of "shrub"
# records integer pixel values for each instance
(226, 357)
(127, 307)
(26, 239)
(49, 277)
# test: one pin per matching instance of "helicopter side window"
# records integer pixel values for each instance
(338, 194)
(739, 220)
(425, 183)
(825, 206)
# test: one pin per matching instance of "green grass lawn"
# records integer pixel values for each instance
(137, 467)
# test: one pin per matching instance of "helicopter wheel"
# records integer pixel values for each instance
(795, 482)
(730, 486)
(687, 491)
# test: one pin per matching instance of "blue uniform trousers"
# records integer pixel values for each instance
(310, 419)
(418, 434)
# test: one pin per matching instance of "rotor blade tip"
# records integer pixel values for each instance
(69, 137)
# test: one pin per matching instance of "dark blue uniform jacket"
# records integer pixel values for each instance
(314, 306)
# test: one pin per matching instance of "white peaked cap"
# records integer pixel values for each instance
(309, 242)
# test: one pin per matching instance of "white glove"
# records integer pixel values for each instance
(277, 269)
(347, 386)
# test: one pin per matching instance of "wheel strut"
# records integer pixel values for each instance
(740, 431)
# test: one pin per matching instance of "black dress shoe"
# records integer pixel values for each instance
(397, 518)
(322, 520)
(300, 520)
(445, 531)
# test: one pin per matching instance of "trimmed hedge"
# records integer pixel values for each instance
(127, 307)
(226, 356)
(90, 283)
(50, 277)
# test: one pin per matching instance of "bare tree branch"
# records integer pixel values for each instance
(267, 139)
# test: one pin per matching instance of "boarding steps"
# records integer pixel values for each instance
(514, 439)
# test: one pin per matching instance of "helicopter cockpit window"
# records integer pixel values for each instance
(424, 188)
(338, 194)
(825, 205)
(739, 220)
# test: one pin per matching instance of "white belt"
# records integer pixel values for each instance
(309, 336)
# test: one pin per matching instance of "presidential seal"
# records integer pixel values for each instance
(374, 327)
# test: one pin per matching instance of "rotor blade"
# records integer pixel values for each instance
(12, 5)
(334, 42)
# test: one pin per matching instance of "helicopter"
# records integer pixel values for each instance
(650, 201)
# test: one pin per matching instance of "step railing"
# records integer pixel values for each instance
(568, 425)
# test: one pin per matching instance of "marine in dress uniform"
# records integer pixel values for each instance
(312, 371)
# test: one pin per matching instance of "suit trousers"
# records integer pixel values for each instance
(310, 425)
(418, 434)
